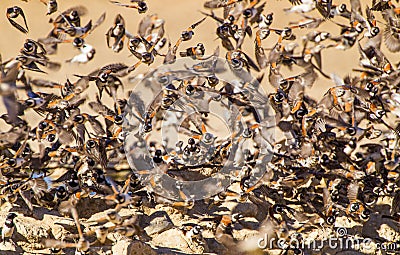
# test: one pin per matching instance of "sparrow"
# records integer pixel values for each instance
(140, 5)
(391, 32)
(117, 31)
(13, 13)
(8, 91)
(185, 36)
(81, 32)
(87, 52)
(215, 4)
(8, 227)
(196, 52)
(52, 6)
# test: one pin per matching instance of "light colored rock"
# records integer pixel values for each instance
(129, 247)
(8, 248)
(172, 239)
(387, 232)
(159, 222)
(33, 230)
(373, 228)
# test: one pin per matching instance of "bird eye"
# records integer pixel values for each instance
(148, 127)
(354, 207)
(91, 162)
(279, 97)
(158, 153)
(208, 136)
(163, 79)
(75, 158)
(142, 7)
(236, 63)
(369, 86)
(43, 125)
(380, 113)
(78, 42)
(187, 35)
(91, 143)
(51, 138)
(12, 162)
(212, 81)
(365, 214)
(330, 220)
(191, 141)
(375, 30)
(247, 13)
(135, 41)
(351, 131)
(359, 27)
(300, 113)
(167, 101)
(118, 119)
(342, 7)
(147, 56)
(377, 190)
(30, 102)
(103, 77)
(278, 209)
(247, 133)
(28, 46)
(79, 118)
(120, 199)
(189, 89)
(270, 16)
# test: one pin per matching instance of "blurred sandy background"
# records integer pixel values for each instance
(178, 14)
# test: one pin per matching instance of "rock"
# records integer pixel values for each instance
(172, 239)
(129, 247)
(246, 209)
(88, 206)
(8, 248)
(378, 227)
(32, 230)
(158, 223)
(58, 232)
(243, 234)
(389, 233)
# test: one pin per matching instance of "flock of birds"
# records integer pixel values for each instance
(334, 157)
